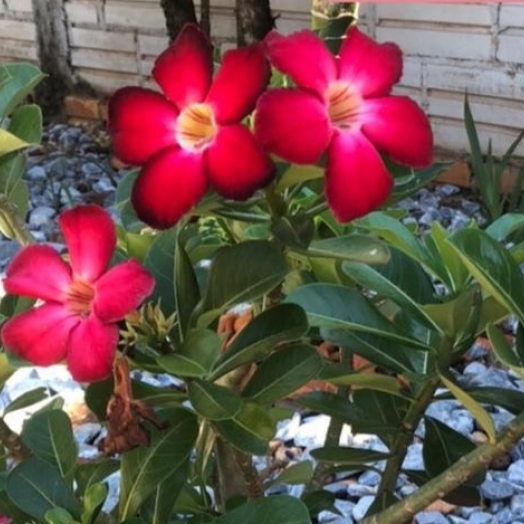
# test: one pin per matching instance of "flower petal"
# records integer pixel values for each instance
(371, 67)
(236, 164)
(91, 239)
(304, 57)
(40, 335)
(357, 180)
(121, 290)
(293, 124)
(169, 185)
(184, 70)
(92, 349)
(241, 79)
(397, 126)
(141, 122)
(38, 272)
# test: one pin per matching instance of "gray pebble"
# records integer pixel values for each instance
(492, 490)
(431, 517)
(479, 517)
(361, 507)
(41, 216)
(369, 478)
(516, 472)
(413, 458)
(517, 504)
(474, 368)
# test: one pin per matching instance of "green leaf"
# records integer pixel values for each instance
(26, 123)
(347, 456)
(505, 225)
(93, 500)
(187, 292)
(10, 142)
(318, 501)
(212, 401)
(27, 399)
(295, 231)
(478, 412)
(494, 268)
(335, 306)
(287, 509)
(49, 436)
(22, 79)
(358, 248)
(59, 516)
(250, 430)
(282, 323)
(296, 174)
(143, 468)
(160, 261)
(283, 372)
(122, 200)
(263, 268)
(508, 399)
(503, 349)
(329, 404)
(91, 473)
(158, 508)
(443, 447)
(195, 358)
(373, 381)
(408, 185)
(36, 487)
(299, 473)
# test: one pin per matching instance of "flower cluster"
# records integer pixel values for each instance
(192, 135)
(82, 301)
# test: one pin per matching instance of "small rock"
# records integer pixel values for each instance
(369, 478)
(431, 517)
(36, 173)
(413, 458)
(492, 377)
(461, 421)
(312, 433)
(506, 516)
(492, 490)
(41, 216)
(502, 419)
(474, 368)
(479, 438)
(361, 508)
(360, 490)
(516, 472)
(517, 504)
(446, 190)
(479, 517)
(287, 429)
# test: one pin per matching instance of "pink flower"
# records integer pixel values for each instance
(192, 134)
(82, 301)
(342, 106)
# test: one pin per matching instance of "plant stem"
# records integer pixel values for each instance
(9, 215)
(405, 436)
(456, 475)
(231, 482)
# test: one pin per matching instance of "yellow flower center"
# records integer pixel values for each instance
(343, 105)
(79, 296)
(195, 126)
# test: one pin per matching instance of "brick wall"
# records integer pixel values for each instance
(448, 48)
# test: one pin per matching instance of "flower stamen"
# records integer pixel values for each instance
(343, 105)
(195, 126)
(79, 296)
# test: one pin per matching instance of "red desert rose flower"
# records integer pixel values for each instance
(82, 301)
(342, 105)
(192, 134)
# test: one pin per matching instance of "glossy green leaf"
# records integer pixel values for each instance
(36, 487)
(91, 473)
(187, 292)
(347, 456)
(143, 468)
(329, 404)
(478, 412)
(406, 186)
(195, 358)
(59, 516)
(250, 430)
(282, 323)
(334, 306)
(358, 248)
(26, 123)
(212, 401)
(49, 436)
(286, 509)
(511, 400)
(93, 501)
(494, 268)
(263, 268)
(21, 78)
(283, 372)
(296, 174)
(123, 203)
(160, 261)
(443, 446)
(501, 228)
(158, 508)
(503, 349)
(27, 399)
(373, 381)
(299, 473)
(320, 500)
